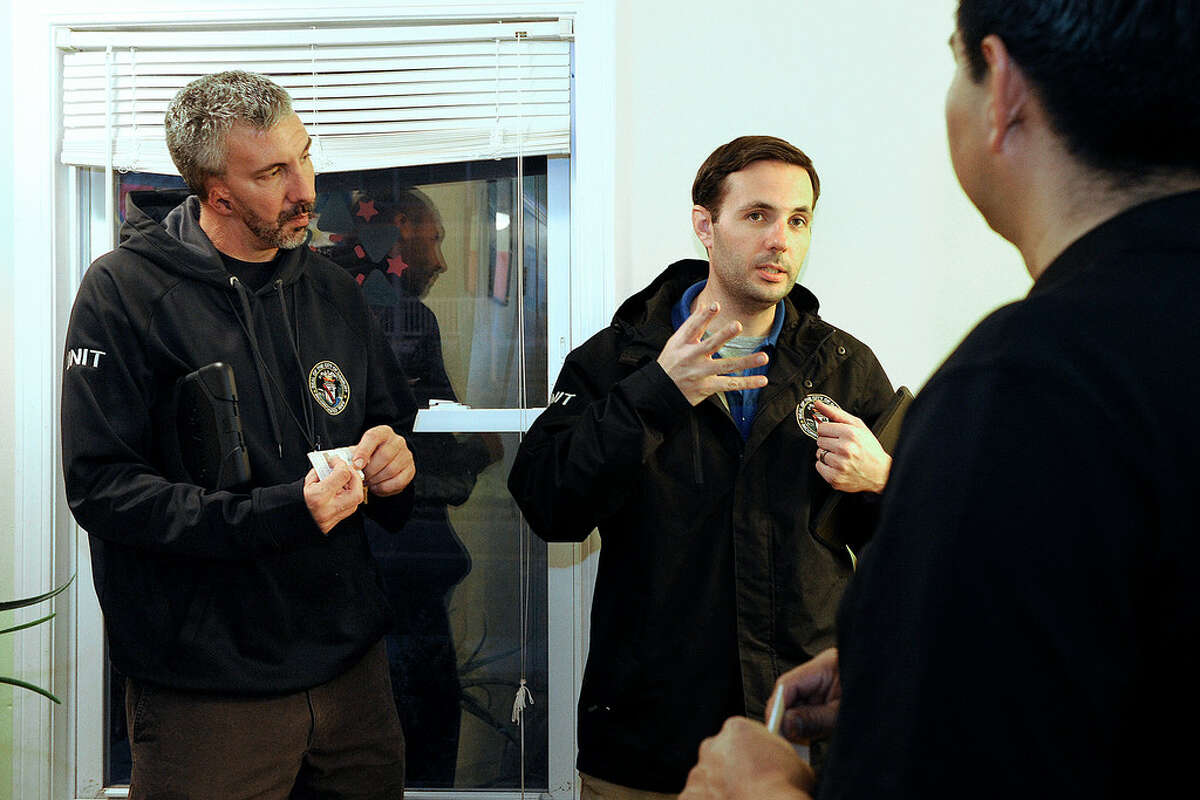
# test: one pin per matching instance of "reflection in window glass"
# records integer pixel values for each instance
(454, 578)
(435, 251)
(437, 246)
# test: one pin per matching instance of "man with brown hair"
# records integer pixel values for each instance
(679, 431)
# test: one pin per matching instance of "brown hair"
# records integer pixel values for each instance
(708, 189)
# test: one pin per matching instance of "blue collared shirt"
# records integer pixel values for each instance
(743, 404)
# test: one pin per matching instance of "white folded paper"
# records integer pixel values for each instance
(320, 459)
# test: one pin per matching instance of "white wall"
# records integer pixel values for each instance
(899, 256)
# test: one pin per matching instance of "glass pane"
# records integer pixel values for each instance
(435, 250)
(456, 575)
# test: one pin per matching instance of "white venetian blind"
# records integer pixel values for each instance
(371, 96)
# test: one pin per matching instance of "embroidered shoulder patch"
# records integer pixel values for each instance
(329, 386)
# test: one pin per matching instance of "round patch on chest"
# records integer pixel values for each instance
(807, 415)
(329, 386)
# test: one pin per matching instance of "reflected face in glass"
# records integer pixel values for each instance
(420, 245)
(268, 182)
(761, 234)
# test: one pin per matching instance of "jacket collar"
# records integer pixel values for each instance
(646, 316)
(1167, 222)
(645, 321)
(683, 309)
(173, 239)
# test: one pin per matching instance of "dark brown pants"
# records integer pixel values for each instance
(340, 740)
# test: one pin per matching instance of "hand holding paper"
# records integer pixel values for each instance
(386, 462)
(806, 699)
(332, 489)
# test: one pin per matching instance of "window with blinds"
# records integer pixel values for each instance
(371, 95)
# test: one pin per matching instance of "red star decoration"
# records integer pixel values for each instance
(366, 209)
(358, 251)
(361, 277)
(396, 265)
(335, 237)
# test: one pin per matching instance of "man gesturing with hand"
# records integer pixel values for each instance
(675, 431)
(688, 360)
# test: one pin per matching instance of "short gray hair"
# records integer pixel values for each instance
(201, 115)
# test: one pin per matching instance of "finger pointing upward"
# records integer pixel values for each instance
(692, 329)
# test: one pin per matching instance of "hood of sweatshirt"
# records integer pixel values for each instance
(170, 236)
(175, 241)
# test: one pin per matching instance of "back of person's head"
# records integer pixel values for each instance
(415, 205)
(1119, 79)
(708, 190)
(201, 115)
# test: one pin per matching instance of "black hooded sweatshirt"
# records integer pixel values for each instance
(236, 590)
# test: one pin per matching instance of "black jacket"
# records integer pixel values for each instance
(1025, 622)
(231, 591)
(710, 584)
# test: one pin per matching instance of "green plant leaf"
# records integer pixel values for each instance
(9, 605)
(46, 618)
(30, 687)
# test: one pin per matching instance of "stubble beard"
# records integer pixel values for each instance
(275, 234)
(751, 295)
(420, 283)
(776, 292)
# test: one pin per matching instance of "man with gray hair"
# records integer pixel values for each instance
(245, 611)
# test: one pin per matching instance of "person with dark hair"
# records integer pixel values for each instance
(247, 614)
(682, 432)
(1025, 621)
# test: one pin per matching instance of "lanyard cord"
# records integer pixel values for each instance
(266, 380)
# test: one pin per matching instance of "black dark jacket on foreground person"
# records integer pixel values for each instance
(710, 583)
(1046, 617)
(233, 591)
